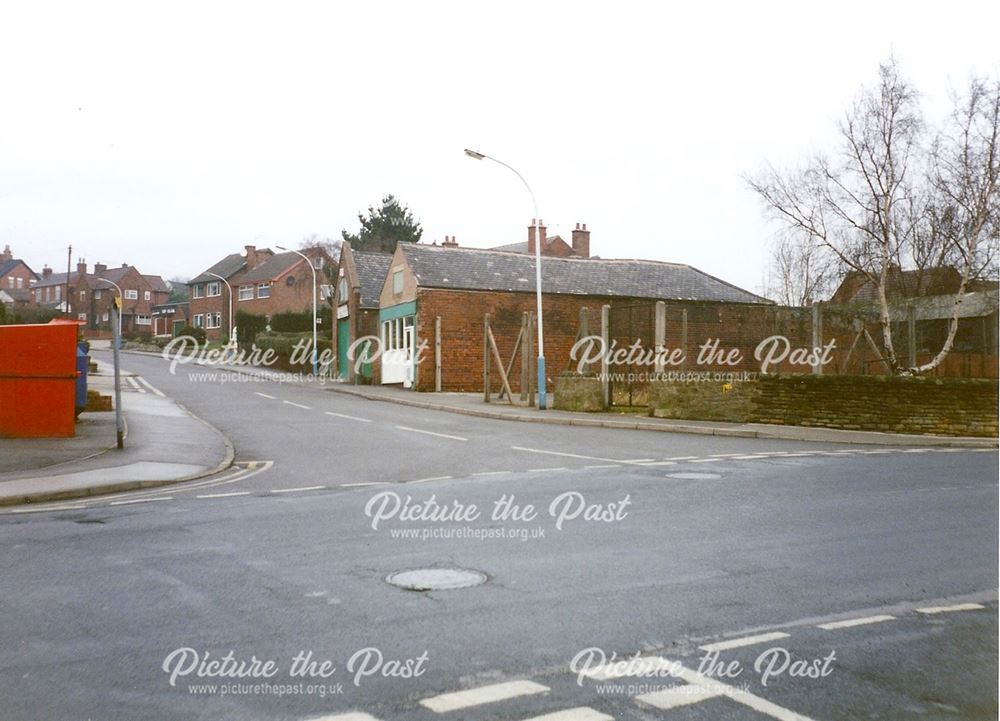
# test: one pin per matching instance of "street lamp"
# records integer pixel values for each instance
(313, 269)
(122, 296)
(538, 272)
(232, 318)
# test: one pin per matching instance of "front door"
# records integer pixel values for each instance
(397, 350)
(343, 342)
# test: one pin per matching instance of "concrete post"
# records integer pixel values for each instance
(817, 337)
(437, 354)
(605, 333)
(660, 333)
(486, 358)
(911, 335)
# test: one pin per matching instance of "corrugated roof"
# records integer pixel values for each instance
(473, 269)
(372, 269)
(272, 267)
(226, 267)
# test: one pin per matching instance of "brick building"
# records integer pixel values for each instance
(360, 278)
(461, 285)
(16, 279)
(554, 247)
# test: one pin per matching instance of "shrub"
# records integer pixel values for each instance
(197, 333)
(284, 343)
(300, 321)
(248, 326)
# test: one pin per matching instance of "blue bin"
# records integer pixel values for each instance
(82, 366)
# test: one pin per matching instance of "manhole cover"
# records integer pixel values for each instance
(694, 476)
(436, 579)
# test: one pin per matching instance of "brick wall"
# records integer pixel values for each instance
(937, 406)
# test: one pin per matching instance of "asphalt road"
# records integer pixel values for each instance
(874, 569)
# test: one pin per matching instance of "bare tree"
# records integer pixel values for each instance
(801, 271)
(884, 203)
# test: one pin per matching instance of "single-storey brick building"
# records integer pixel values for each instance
(359, 283)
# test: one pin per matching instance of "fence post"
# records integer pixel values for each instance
(660, 335)
(911, 333)
(605, 332)
(437, 354)
(817, 337)
(583, 332)
(530, 350)
(486, 358)
(684, 337)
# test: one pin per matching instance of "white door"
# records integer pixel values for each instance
(397, 350)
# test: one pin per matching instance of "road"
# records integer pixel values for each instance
(873, 569)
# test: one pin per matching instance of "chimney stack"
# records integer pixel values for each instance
(449, 242)
(581, 240)
(6, 255)
(251, 256)
(46, 272)
(531, 236)
(81, 266)
(99, 268)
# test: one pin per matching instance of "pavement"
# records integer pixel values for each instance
(164, 443)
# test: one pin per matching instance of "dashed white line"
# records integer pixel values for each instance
(681, 458)
(224, 495)
(705, 460)
(930, 610)
(433, 478)
(484, 694)
(150, 386)
(49, 508)
(350, 418)
(605, 465)
(350, 716)
(677, 696)
(297, 405)
(142, 500)
(296, 490)
(367, 483)
(851, 622)
(265, 395)
(491, 473)
(542, 470)
(580, 713)
(431, 433)
(745, 641)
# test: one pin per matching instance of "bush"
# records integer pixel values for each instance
(284, 343)
(248, 326)
(298, 322)
(197, 333)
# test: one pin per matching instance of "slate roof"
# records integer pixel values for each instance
(473, 269)
(272, 267)
(9, 265)
(55, 279)
(226, 267)
(159, 285)
(372, 269)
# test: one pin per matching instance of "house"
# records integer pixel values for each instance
(91, 296)
(461, 285)
(15, 275)
(360, 278)
(169, 319)
(263, 282)
(555, 247)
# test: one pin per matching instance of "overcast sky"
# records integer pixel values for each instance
(167, 135)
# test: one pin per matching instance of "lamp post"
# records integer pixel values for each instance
(313, 269)
(232, 318)
(538, 272)
(122, 297)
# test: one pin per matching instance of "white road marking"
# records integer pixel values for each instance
(150, 386)
(580, 713)
(132, 382)
(745, 641)
(677, 696)
(142, 500)
(605, 465)
(484, 694)
(949, 609)
(296, 490)
(491, 473)
(706, 460)
(724, 455)
(913, 450)
(748, 458)
(659, 463)
(297, 405)
(350, 418)
(350, 716)
(431, 433)
(542, 470)
(717, 688)
(643, 666)
(681, 458)
(851, 622)
(433, 478)
(368, 483)
(796, 455)
(265, 395)
(875, 452)
(224, 495)
(582, 457)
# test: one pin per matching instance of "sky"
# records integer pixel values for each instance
(167, 135)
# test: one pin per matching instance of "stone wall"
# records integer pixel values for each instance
(575, 392)
(937, 406)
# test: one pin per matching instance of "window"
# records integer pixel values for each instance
(342, 291)
(397, 282)
(264, 290)
(131, 294)
(20, 282)
(38, 295)
(104, 316)
(198, 320)
(145, 295)
(58, 292)
(199, 291)
(246, 292)
(83, 295)
(10, 281)
(82, 316)
(318, 262)
(214, 289)
(213, 320)
(97, 295)
(48, 294)
(143, 320)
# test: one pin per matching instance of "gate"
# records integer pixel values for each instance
(628, 383)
